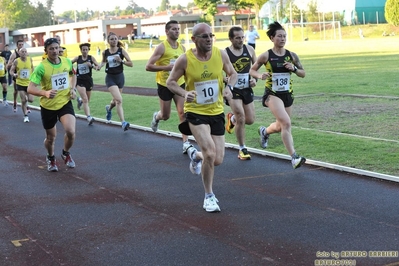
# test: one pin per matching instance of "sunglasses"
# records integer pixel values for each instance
(205, 36)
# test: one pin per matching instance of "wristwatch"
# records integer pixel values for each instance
(295, 69)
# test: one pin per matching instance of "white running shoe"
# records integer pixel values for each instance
(195, 167)
(298, 161)
(195, 164)
(68, 160)
(186, 146)
(26, 119)
(90, 120)
(154, 122)
(211, 204)
(264, 138)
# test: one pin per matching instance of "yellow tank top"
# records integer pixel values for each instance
(206, 78)
(169, 57)
(55, 77)
(24, 70)
(2, 67)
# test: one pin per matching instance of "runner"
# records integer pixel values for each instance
(280, 65)
(113, 59)
(53, 80)
(21, 69)
(161, 62)
(15, 55)
(3, 79)
(242, 104)
(203, 68)
(85, 64)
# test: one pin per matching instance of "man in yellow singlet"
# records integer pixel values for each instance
(21, 69)
(161, 62)
(203, 68)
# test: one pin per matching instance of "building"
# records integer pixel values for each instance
(138, 24)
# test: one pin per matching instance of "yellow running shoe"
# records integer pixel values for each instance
(244, 155)
(229, 125)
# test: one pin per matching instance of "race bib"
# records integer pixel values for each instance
(24, 73)
(1, 66)
(172, 62)
(60, 81)
(112, 61)
(207, 91)
(281, 81)
(242, 81)
(83, 69)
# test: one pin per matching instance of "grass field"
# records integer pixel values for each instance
(345, 110)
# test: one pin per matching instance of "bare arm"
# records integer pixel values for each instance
(300, 72)
(11, 60)
(178, 71)
(103, 61)
(158, 53)
(128, 62)
(231, 73)
(34, 89)
(13, 69)
(260, 61)
(95, 63)
(74, 60)
(251, 51)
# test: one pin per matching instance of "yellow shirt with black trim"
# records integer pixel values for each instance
(2, 67)
(204, 72)
(169, 57)
(24, 70)
(46, 74)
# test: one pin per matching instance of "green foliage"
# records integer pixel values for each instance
(164, 5)
(392, 12)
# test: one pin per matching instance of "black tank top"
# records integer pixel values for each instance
(241, 63)
(112, 67)
(83, 71)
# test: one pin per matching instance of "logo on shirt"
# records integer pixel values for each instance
(206, 74)
(241, 64)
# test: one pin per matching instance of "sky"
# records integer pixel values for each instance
(60, 6)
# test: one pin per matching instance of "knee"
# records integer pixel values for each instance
(49, 139)
(218, 160)
(285, 124)
(250, 120)
(240, 118)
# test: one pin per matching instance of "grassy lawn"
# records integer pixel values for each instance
(345, 110)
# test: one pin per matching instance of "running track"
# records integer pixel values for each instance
(131, 200)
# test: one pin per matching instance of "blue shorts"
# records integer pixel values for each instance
(115, 80)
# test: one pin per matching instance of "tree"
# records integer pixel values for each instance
(164, 5)
(257, 4)
(38, 16)
(210, 8)
(392, 12)
(14, 13)
(238, 5)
